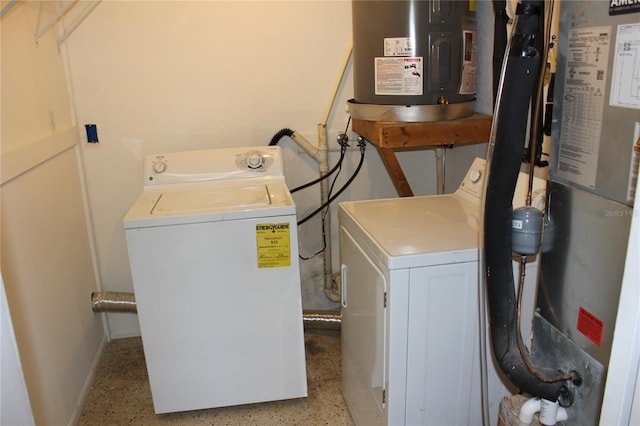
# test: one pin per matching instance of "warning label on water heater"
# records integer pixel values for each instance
(273, 245)
(399, 46)
(398, 75)
(469, 60)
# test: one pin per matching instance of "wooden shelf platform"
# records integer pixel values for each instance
(391, 136)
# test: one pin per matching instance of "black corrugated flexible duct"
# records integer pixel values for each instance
(499, 41)
(279, 135)
(520, 75)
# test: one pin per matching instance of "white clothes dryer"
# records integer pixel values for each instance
(213, 248)
(410, 339)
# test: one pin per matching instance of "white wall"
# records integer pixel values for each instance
(621, 401)
(168, 76)
(15, 408)
(46, 253)
(158, 76)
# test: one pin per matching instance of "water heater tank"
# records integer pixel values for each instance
(413, 60)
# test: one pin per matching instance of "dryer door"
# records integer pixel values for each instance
(363, 333)
(443, 379)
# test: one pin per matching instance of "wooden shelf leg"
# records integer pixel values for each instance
(394, 169)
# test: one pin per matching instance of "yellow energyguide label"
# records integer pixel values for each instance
(273, 245)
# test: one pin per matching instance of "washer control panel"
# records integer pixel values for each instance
(213, 164)
(256, 160)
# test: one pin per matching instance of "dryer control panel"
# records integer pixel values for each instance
(213, 164)
(473, 182)
(473, 185)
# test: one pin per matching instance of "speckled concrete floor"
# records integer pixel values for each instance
(121, 395)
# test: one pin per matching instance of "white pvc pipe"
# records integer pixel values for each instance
(323, 168)
(528, 410)
(312, 151)
(332, 293)
(336, 89)
(320, 154)
(440, 165)
(550, 412)
(562, 415)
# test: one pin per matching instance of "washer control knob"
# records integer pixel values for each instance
(159, 167)
(255, 160)
(475, 175)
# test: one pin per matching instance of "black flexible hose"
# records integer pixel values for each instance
(518, 83)
(499, 42)
(340, 191)
(343, 149)
(323, 177)
(288, 132)
(279, 135)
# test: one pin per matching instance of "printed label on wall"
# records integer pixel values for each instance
(583, 103)
(273, 245)
(468, 80)
(398, 76)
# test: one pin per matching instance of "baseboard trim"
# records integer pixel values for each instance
(86, 387)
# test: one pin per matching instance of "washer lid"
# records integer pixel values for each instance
(210, 202)
(185, 202)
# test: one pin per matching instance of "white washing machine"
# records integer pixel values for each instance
(213, 248)
(410, 340)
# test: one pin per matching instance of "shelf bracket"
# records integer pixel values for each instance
(42, 30)
(7, 8)
(79, 19)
